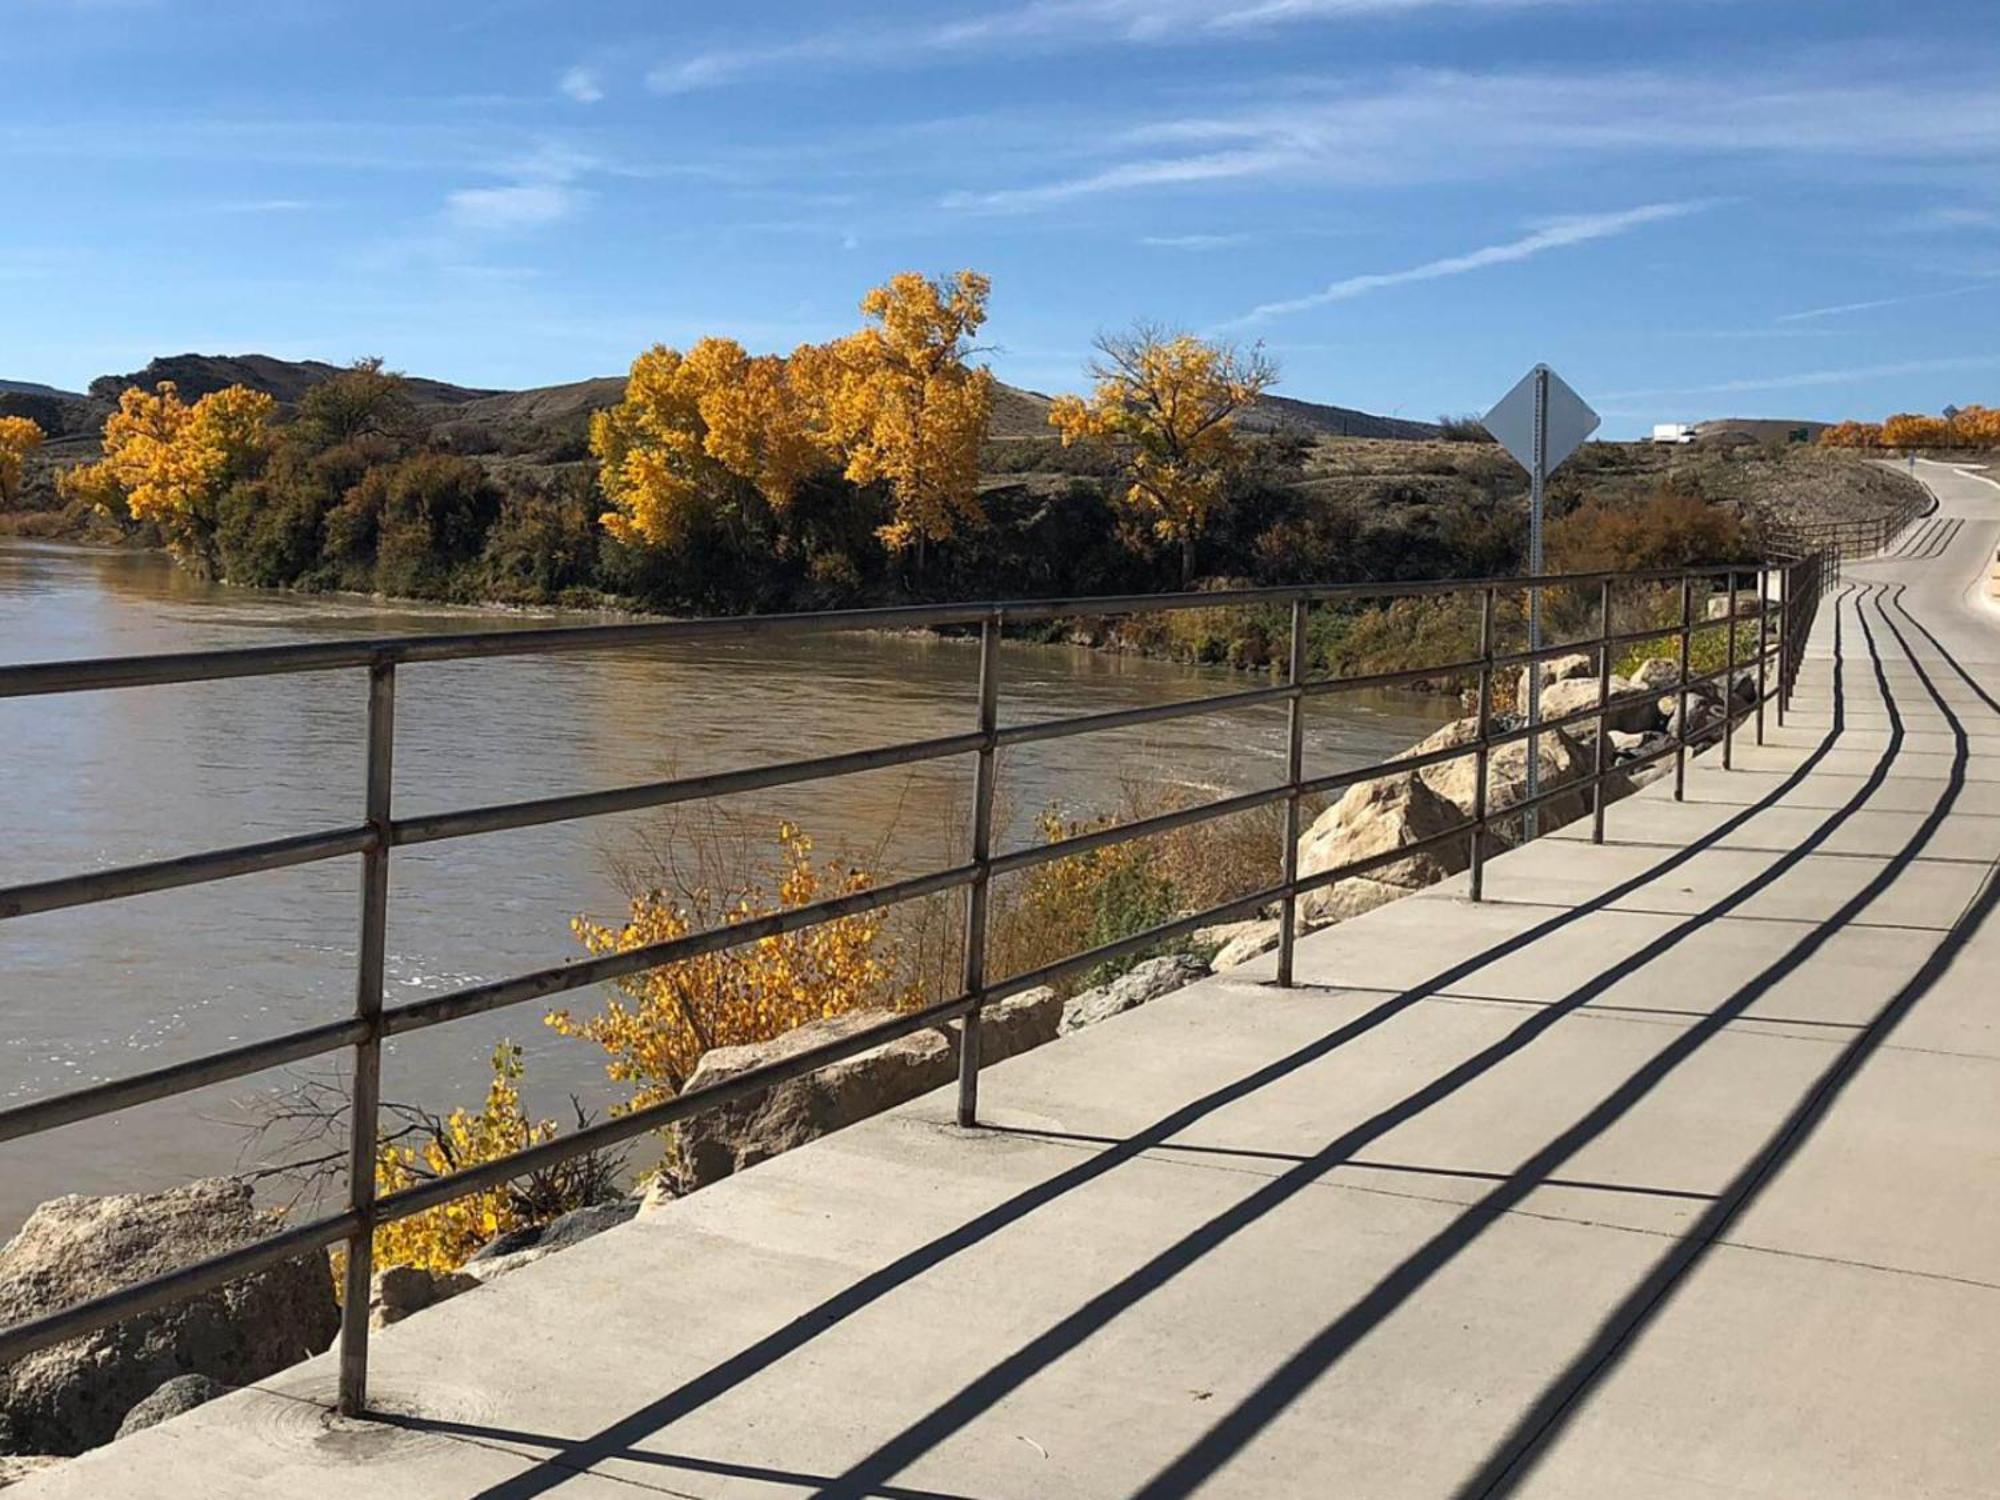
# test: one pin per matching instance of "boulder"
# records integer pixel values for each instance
(1633, 746)
(181, 1394)
(1135, 987)
(1634, 715)
(1562, 761)
(1375, 817)
(734, 1136)
(1656, 674)
(395, 1293)
(1717, 607)
(560, 1233)
(1704, 720)
(1251, 940)
(72, 1396)
(1574, 667)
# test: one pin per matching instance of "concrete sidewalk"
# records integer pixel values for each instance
(1666, 1171)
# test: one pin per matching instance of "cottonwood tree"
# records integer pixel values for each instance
(19, 437)
(898, 403)
(895, 404)
(1165, 404)
(170, 463)
(1910, 429)
(692, 426)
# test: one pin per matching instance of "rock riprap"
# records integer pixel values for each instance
(1141, 983)
(731, 1137)
(74, 1395)
(181, 1394)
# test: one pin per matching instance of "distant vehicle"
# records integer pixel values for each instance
(1673, 432)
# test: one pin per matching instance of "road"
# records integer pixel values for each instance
(1667, 1171)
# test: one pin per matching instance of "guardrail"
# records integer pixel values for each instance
(1848, 539)
(1781, 599)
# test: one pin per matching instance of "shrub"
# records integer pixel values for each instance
(543, 542)
(669, 1016)
(1068, 906)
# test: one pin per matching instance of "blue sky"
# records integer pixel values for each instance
(1690, 207)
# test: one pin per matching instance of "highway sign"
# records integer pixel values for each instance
(1541, 422)
(1568, 421)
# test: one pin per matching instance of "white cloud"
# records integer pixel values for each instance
(541, 191)
(1840, 309)
(521, 205)
(581, 84)
(1946, 220)
(1576, 230)
(1809, 378)
(1048, 25)
(1193, 241)
(1434, 126)
(1213, 166)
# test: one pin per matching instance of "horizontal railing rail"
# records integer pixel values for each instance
(1778, 614)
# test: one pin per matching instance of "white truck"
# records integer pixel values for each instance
(1673, 432)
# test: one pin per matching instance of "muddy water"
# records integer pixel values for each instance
(102, 779)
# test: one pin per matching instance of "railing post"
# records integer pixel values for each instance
(1729, 682)
(1784, 635)
(1295, 750)
(974, 971)
(1484, 733)
(1681, 728)
(1603, 710)
(366, 1095)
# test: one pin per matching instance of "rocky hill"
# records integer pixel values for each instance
(514, 420)
(197, 375)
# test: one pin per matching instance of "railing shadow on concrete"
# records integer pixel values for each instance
(1778, 598)
(627, 1437)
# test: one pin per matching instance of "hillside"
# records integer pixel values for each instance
(285, 380)
(553, 417)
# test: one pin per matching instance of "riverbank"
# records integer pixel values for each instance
(105, 779)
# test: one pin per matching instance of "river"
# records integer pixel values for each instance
(101, 779)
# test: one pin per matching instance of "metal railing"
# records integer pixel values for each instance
(1848, 539)
(1785, 595)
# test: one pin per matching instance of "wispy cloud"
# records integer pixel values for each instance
(1809, 378)
(1841, 309)
(521, 205)
(541, 191)
(1950, 219)
(581, 84)
(1047, 25)
(1193, 241)
(1448, 126)
(1576, 230)
(266, 206)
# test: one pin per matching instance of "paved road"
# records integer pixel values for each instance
(1666, 1172)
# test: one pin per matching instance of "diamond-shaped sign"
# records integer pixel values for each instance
(1568, 422)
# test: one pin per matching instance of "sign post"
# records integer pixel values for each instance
(1541, 422)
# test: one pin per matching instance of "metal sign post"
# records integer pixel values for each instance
(1541, 422)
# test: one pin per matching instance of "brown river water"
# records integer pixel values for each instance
(101, 779)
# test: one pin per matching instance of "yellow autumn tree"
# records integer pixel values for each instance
(1910, 429)
(688, 426)
(665, 1018)
(1852, 435)
(898, 404)
(1165, 404)
(1977, 427)
(169, 463)
(441, 1238)
(19, 437)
